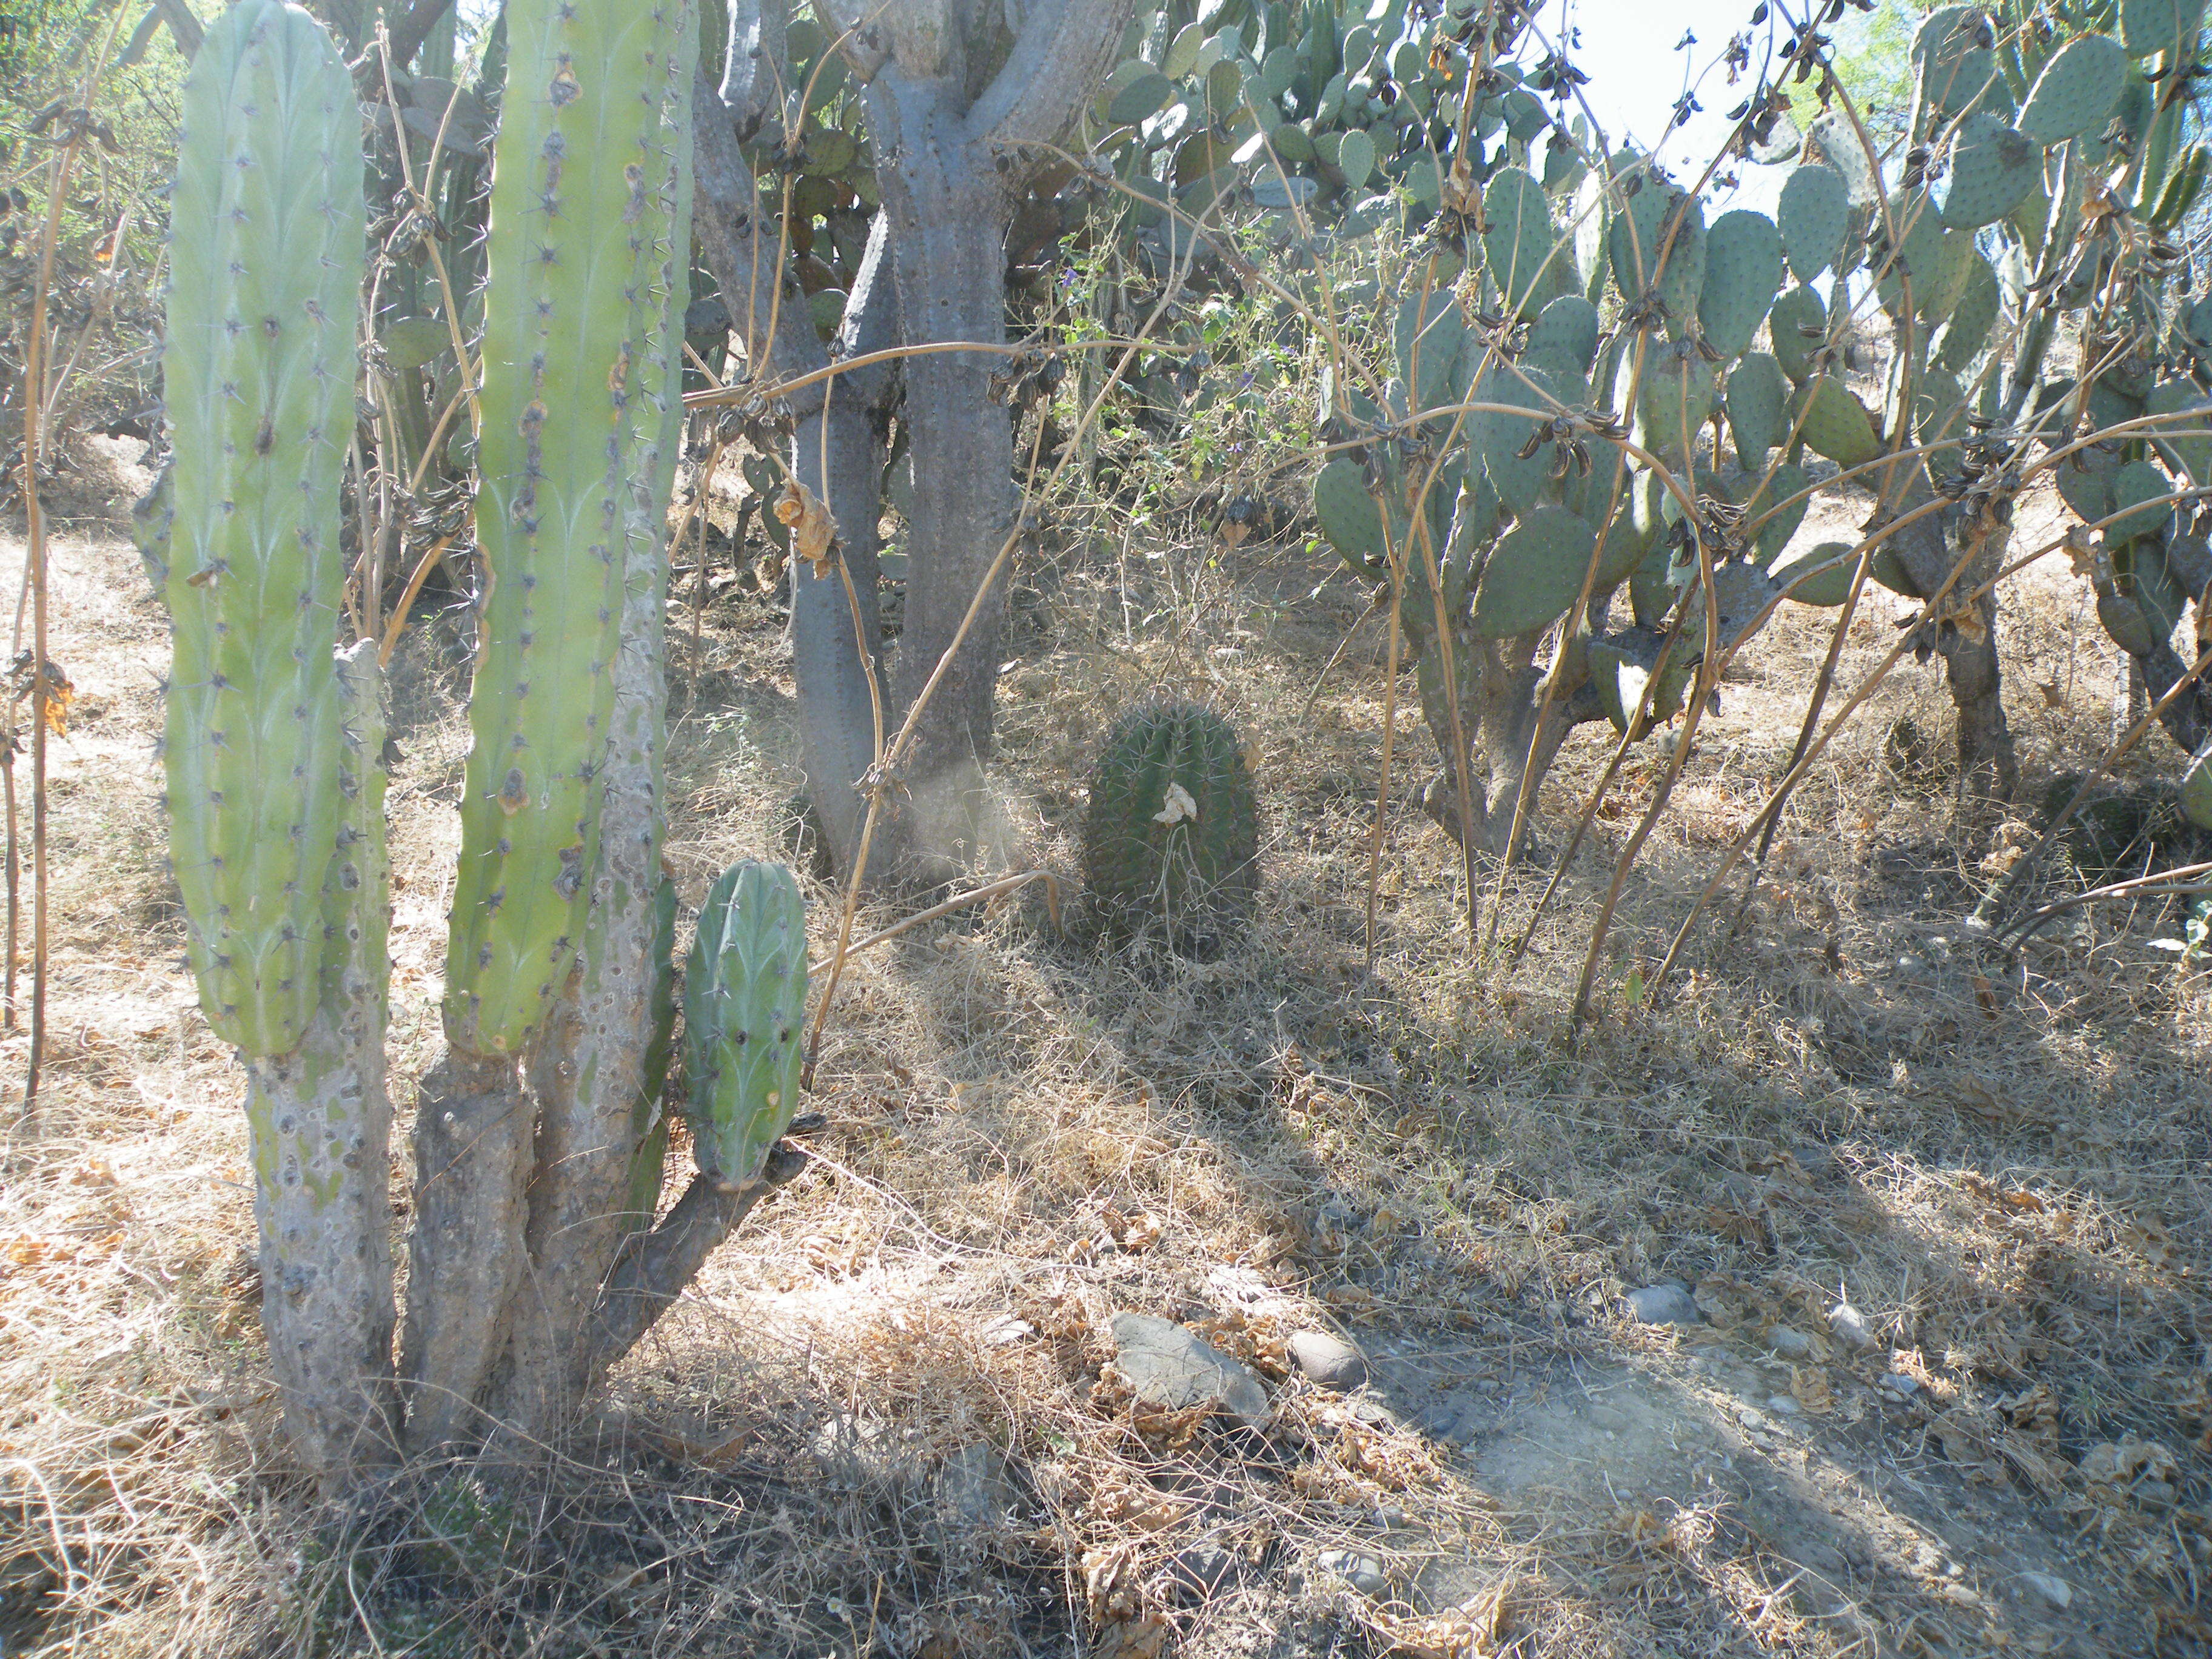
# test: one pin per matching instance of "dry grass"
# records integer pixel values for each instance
(884, 1421)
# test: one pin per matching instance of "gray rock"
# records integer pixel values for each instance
(1609, 1417)
(1173, 1369)
(1783, 1405)
(973, 1491)
(1665, 1304)
(1358, 1569)
(1851, 1326)
(2055, 1592)
(1327, 1360)
(1202, 1571)
(1897, 1383)
(1788, 1343)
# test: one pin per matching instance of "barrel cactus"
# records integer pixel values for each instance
(744, 1013)
(1171, 833)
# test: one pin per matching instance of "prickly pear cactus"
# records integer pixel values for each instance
(1171, 832)
(259, 365)
(582, 271)
(745, 1016)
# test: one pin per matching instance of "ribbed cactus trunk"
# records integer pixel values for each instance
(578, 427)
(273, 767)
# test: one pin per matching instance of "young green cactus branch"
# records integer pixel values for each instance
(744, 1018)
(259, 365)
(274, 751)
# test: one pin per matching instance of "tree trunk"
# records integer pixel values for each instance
(948, 209)
(837, 636)
(1928, 549)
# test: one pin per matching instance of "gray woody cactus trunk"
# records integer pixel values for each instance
(954, 99)
(537, 1141)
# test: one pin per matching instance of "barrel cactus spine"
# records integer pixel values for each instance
(744, 1012)
(1170, 834)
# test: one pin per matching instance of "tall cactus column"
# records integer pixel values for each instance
(589, 1070)
(577, 188)
(276, 805)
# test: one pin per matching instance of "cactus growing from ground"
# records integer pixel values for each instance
(1170, 834)
(745, 1015)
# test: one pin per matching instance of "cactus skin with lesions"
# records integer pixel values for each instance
(1171, 831)
(259, 367)
(745, 1014)
(578, 235)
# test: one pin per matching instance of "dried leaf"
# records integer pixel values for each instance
(812, 528)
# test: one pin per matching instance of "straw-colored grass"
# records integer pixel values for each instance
(886, 1420)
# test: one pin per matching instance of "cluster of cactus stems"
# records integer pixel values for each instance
(1549, 430)
(1170, 833)
(542, 1136)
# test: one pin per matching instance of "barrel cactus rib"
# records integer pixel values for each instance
(259, 365)
(571, 247)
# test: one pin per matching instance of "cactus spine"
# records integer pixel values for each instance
(745, 1010)
(579, 229)
(259, 365)
(1171, 832)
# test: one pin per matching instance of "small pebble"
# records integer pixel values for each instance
(1901, 1385)
(1664, 1304)
(1362, 1571)
(2055, 1592)
(1327, 1360)
(1788, 1343)
(1784, 1404)
(1850, 1325)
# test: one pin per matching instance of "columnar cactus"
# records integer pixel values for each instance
(579, 260)
(260, 366)
(745, 1017)
(1171, 832)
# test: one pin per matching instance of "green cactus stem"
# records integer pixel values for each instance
(577, 250)
(258, 363)
(745, 1016)
(1171, 831)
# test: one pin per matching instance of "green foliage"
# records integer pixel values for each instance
(260, 363)
(1170, 834)
(745, 1016)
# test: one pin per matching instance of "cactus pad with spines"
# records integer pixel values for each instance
(1758, 408)
(1796, 326)
(2153, 25)
(744, 1016)
(1814, 212)
(1351, 518)
(1954, 55)
(1645, 256)
(1967, 330)
(1533, 574)
(1743, 268)
(582, 260)
(1430, 337)
(1993, 167)
(1170, 834)
(1499, 437)
(2197, 788)
(2075, 91)
(1836, 423)
(1821, 577)
(2140, 485)
(1564, 337)
(259, 367)
(1521, 249)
